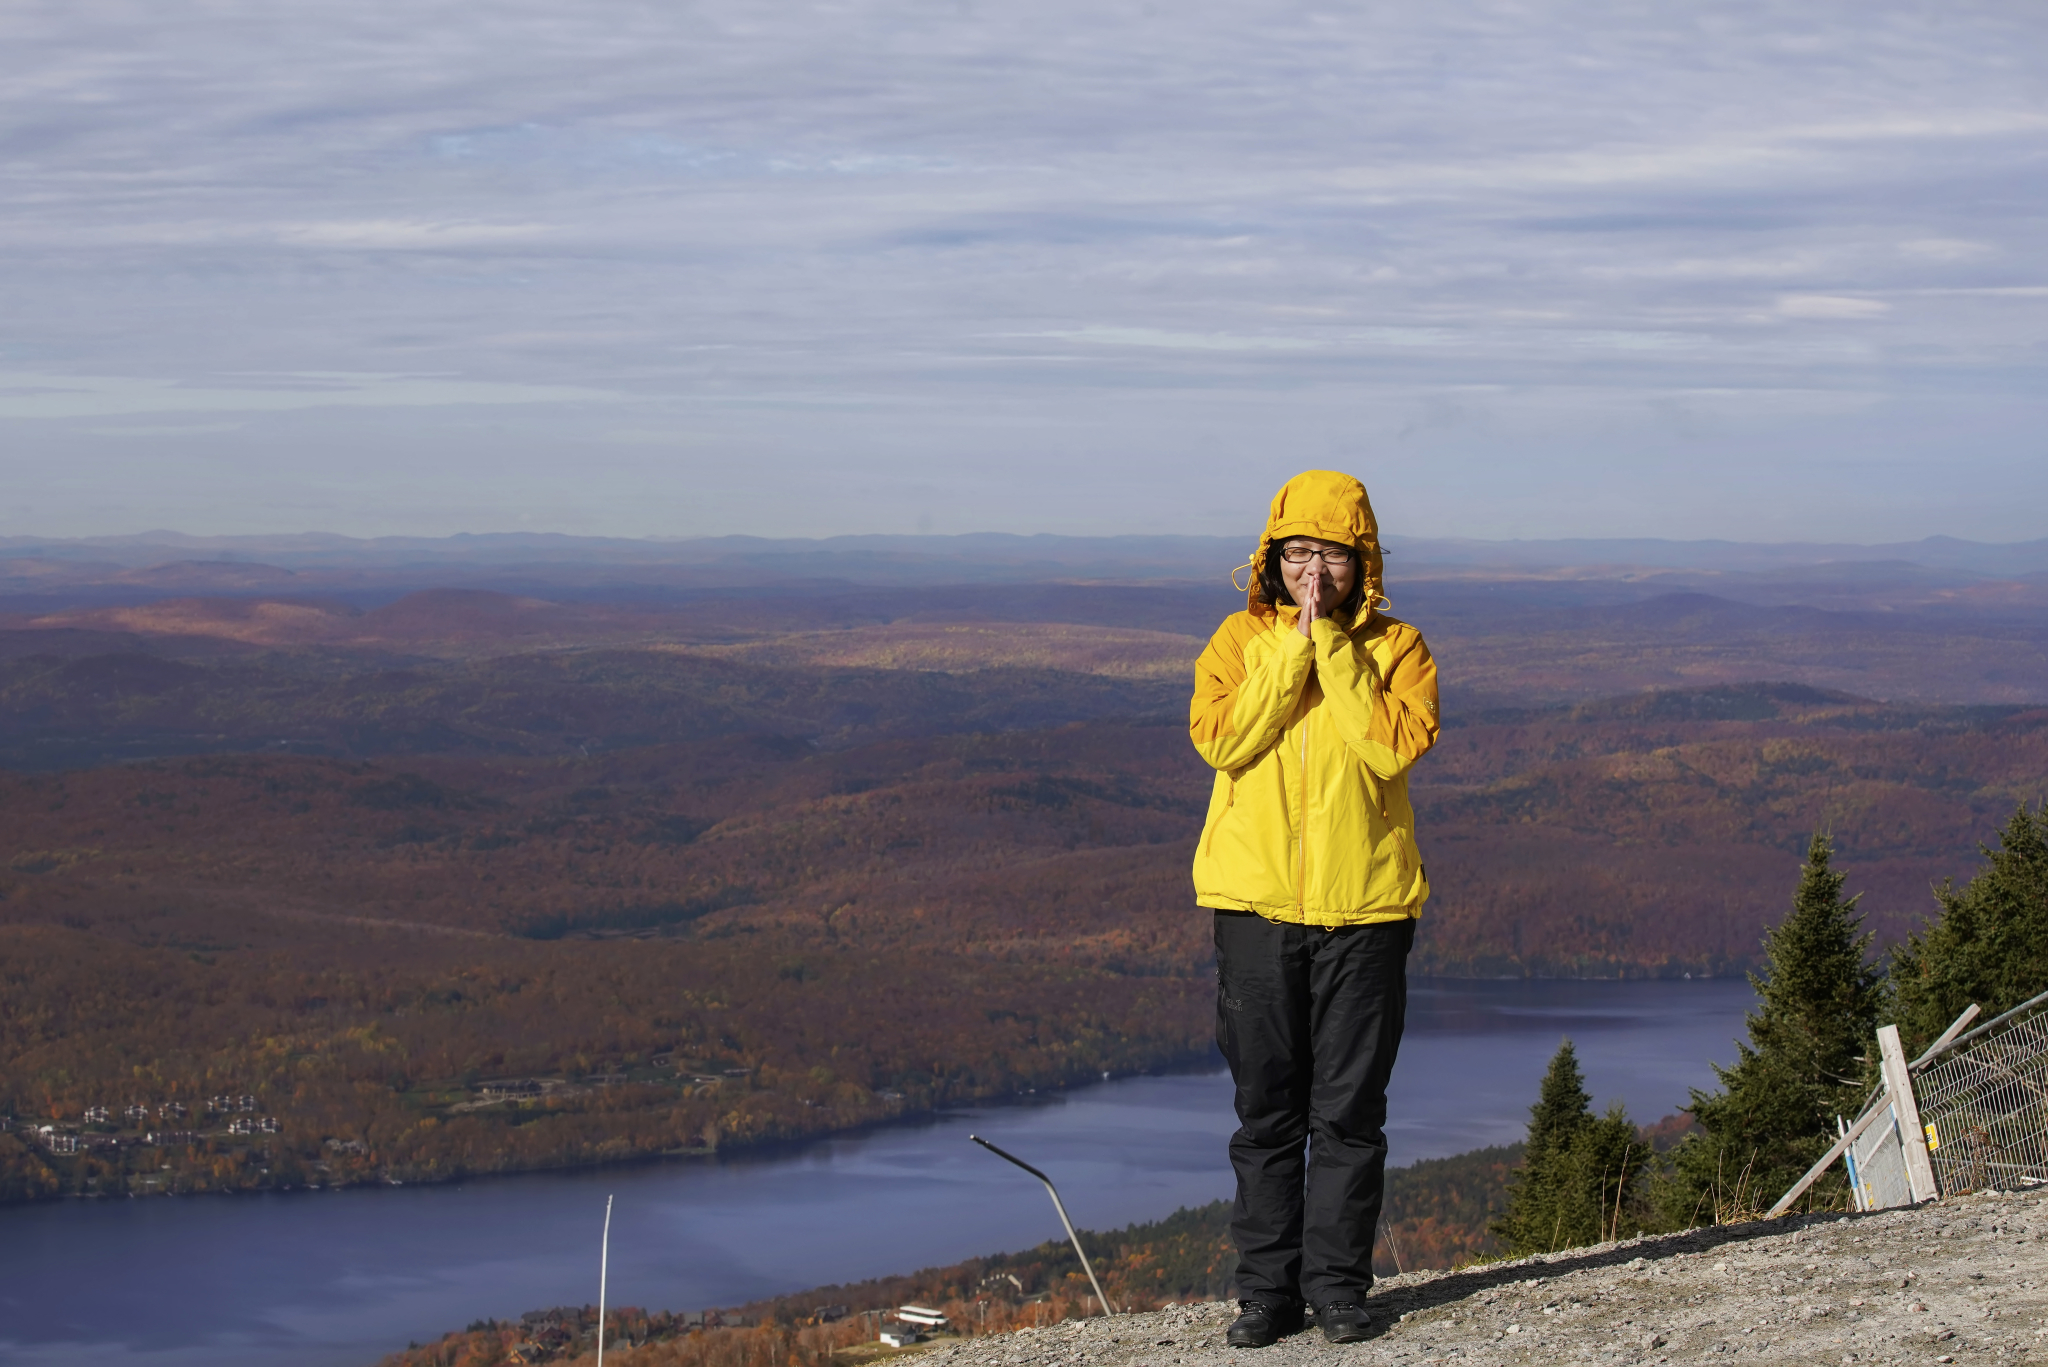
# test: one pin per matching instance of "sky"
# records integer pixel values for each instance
(1757, 271)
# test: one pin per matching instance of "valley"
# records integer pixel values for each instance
(466, 882)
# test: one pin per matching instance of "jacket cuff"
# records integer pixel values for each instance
(1333, 643)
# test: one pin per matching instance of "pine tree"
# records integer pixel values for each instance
(1805, 1063)
(1582, 1177)
(1563, 1105)
(1989, 943)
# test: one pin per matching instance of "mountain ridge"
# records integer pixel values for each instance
(1029, 553)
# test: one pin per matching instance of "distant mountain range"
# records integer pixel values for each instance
(243, 563)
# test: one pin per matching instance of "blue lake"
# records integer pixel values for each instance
(337, 1279)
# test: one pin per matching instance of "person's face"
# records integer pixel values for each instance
(1337, 568)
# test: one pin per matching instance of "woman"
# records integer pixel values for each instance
(1311, 705)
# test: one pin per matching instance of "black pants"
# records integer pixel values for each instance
(1309, 1021)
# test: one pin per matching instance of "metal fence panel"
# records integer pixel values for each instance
(1986, 1106)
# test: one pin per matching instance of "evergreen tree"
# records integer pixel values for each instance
(1806, 1061)
(1563, 1105)
(1989, 944)
(1582, 1177)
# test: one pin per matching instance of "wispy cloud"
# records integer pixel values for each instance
(1833, 306)
(1178, 341)
(83, 396)
(404, 234)
(1489, 253)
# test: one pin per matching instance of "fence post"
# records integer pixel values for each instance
(1898, 1084)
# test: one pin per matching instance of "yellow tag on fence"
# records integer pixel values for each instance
(1933, 1139)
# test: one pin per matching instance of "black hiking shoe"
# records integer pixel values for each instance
(1344, 1322)
(1259, 1324)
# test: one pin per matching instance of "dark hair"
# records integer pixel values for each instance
(1273, 588)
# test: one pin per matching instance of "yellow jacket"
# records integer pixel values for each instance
(1312, 738)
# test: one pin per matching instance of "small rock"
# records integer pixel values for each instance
(1654, 1340)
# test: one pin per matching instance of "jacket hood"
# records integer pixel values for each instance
(1329, 506)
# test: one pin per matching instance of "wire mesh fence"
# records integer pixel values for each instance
(1985, 1105)
(1970, 1114)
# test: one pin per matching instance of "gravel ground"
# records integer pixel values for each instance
(1955, 1281)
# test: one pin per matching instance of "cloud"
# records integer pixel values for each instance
(1177, 341)
(186, 429)
(1834, 306)
(876, 244)
(99, 396)
(1947, 249)
(388, 234)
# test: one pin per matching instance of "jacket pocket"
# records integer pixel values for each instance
(1216, 820)
(1390, 877)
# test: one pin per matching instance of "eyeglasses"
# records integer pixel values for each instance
(1329, 555)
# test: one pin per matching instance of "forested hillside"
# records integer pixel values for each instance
(289, 897)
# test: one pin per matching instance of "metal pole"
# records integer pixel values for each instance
(1990, 1025)
(604, 1259)
(1059, 1206)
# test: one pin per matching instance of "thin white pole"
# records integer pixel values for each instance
(604, 1259)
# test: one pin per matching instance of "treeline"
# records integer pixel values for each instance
(373, 1051)
(1654, 834)
(1186, 1256)
(855, 933)
(1437, 1217)
(1603, 841)
(1810, 1058)
(291, 929)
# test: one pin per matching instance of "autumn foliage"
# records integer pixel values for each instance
(518, 904)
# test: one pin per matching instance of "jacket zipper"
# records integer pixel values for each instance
(1301, 876)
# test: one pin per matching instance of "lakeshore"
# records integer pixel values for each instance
(337, 1279)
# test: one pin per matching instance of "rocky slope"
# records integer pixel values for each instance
(1956, 1281)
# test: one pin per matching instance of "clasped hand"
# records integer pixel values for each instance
(1309, 597)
